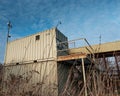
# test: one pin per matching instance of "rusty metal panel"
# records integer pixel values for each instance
(40, 78)
(28, 48)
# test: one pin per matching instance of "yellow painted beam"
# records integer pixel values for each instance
(71, 57)
(103, 48)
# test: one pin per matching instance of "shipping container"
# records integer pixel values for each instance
(40, 78)
(62, 44)
(39, 46)
(32, 62)
(63, 70)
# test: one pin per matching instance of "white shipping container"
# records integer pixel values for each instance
(32, 61)
(40, 46)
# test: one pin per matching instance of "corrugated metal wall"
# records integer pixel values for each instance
(61, 47)
(44, 75)
(43, 78)
(63, 72)
(29, 48)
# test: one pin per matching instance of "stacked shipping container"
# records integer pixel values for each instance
(36, 55)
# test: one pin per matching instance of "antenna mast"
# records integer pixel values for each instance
(9, 27)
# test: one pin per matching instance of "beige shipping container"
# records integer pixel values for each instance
(31, 61)
(40, 46)
(39, 78)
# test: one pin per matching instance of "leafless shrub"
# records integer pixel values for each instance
(21, 86)
(99, 82)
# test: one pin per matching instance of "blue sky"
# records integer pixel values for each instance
(80, 18)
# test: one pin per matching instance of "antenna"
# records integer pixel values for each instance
(9, 27)
(99, 43)
(100, 39)
(58, 24)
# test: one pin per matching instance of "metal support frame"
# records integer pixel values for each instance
(84, 77)
(117, 66)
(106, 66)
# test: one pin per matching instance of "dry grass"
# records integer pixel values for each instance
(99, 83)
(20, 85)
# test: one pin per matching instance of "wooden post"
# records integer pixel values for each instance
(84, 77)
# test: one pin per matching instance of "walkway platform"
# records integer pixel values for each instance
(108, 49)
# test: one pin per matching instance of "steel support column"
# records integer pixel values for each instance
(117, 66)
(84, 77)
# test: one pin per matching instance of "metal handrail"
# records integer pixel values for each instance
(73, 41)
(88, 47)
(70, 41)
